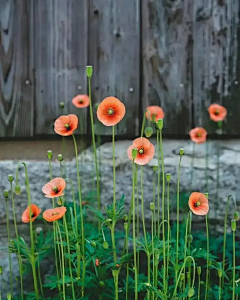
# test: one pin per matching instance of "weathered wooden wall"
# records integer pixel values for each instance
(182, 55)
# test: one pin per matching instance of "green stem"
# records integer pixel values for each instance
(189, 244)
(206, 167)
(114, 197)
(158, 188)
(168, 236)
(192, 167)
(154, 201)
(18, 246)
(63, 267)
(234, 266)
(69, 257)
(134, 235)
(207, 273)
(142, 205)
(127, 276)
(116, 285)
(50, 168)
(199, 286)
(61, 169)
(31, 227)
(178, 192)
(153, 281)
(94, 149)
(185, 245)
(138, 222)
(40, 279)
(9, 252)
(219, 285)
(149, 273)
(81, 214)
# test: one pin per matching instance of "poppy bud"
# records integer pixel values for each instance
(152, 206)
(181, 152)
(126, 225)
(93, 244)
(10, 178)
(134, 153)
(1, 269)
(105, 245)
(148, 132)
(182, 276)
(206, 194)
(159, 124)
(147, 284)
(191, 292)
(190, 238)
(236, 215)
(6, 194)
(233, 224)
(114, 273)
(155, 168)
(89, 70)
(125, 218)
(9, 296)
(168, 177)
(96, 262)
(199, 270)
(49, 154)
(62, 105)
(59, 202)
(219, 273)
(101, 284)
(60, 157)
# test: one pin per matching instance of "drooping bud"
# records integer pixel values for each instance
(6, 194)
(62, 105)
(10, 178)
(233, 224)
(89, 70)
(168, 177)
(134, 153)
(191, 292)
(148, 132)
(60, 157)
(181, 152)
(199, 270)
(105, 245)
(155, 168)
(190, 238)
(236, 216)
(152, 206)
(101, 284)
(93, 244)
(219, 273)
(49, 154)
(159, 124)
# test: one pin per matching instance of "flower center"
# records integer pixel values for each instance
(198, 134)
(32, 215)
(217, 112)
(80, 101)
(141, 151)
(54, 214)
(110, 111)
(67, 126)
(55, 189)
(197, 204)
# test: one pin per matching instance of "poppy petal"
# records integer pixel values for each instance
(141, 142)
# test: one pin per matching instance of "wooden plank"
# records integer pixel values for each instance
(114, 47)
(216, 73)
(167, 60)
(16, 76)
(60, 58)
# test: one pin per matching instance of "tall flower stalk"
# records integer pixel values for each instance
(168, 178)
(207, 273)
(63, 263)
(114, 198)
(233, 225)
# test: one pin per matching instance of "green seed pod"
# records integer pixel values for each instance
(236, 215)
(93, 244)
(60, 157)
(181, 152)
(10, 178)
(155, 168)
(148, 132)
(191, 292)
(101, 284)
(49, 154)
(126, 225)
(152, 206)
(233, 224)
(190, 238)
(219, 273)
(199, 270)
(182, 276)
(134, 153)
(18, 189)
(59, 202)
(168, 177)
(6, 194)
(159, 124)
(62, 105)
(89, 70)
(105, 245)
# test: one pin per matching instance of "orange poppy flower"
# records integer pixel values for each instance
(145, 149)
(198, 203)
(96, 262)
(54, 188)
(154, 113)
(35, 211)
(110, 111)
(198, 135)
(217, 112)
(65, 125)
(81, 101)
(54, 214)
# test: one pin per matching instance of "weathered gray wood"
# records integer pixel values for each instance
(16, 76)
(60, 31)
(114, 47)
(166, 55)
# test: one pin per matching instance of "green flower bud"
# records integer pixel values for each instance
(89, 70)
(199, 270)
(152, 206)
(126, 225)
(10, 178)
(181, 152)
(134, 153)
(219, 273)
(105, 245)
(60, 157)
(236, 215)
(6, 194)
(148, 132)
(1, 270)
(206, 194)
(168, 177)
(155, 168)
(114, 273)
(190, 238)
(191, 292)
(60, 201)
(62, 105)
(49, 154)
(101, 284)
(125, 218)
(233, 224)
(159, 124)
(182, 276)
(93, 244)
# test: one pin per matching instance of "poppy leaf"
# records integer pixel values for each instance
(96, 212)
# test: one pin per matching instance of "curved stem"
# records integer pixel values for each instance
(142, 205)
(185, 244)
(63, 267)
(207, 274)
(178, 191)
(9, 252)
(94, 149)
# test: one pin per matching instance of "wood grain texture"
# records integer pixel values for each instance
(60, 30)
(114, 49)
(16, 76)
(167, 61)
